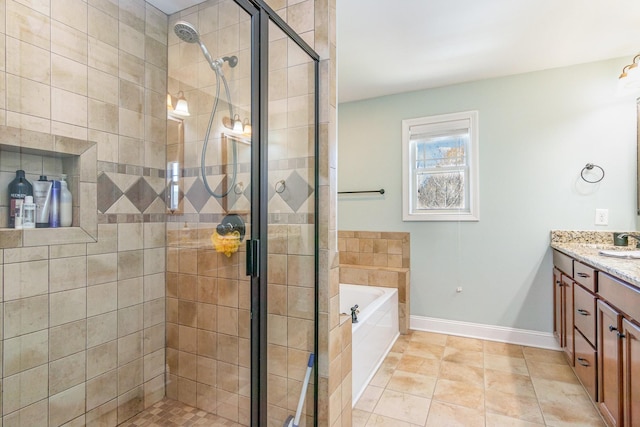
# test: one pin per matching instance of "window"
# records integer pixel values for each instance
(440, 168)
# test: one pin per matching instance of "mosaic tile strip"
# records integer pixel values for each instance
(171, 413)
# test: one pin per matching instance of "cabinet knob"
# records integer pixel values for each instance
(612, 328)
(583, 361)
(583, 312)
(583, 275)
(621, 335)
(559, 283)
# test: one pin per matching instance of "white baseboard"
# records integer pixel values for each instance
(485, 332)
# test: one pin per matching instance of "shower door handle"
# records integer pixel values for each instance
(253, 258)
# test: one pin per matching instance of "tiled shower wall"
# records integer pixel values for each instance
(84, 323)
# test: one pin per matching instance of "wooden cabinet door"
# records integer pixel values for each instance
(557, 307)
(567, 294)
(631, 373)
(609, 364)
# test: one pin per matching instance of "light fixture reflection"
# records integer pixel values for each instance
(237, 124)
(182, 108)
(246, 127)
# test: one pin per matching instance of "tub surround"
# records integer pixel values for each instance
(585, 245)
(378, 258)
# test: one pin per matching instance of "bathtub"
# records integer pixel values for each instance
(374, 334)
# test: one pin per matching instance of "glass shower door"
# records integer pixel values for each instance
(291, 230)
(208, 330)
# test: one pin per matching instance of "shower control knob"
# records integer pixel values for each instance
(223, 229)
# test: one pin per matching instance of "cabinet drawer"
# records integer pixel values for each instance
(623, 296)
(586, 364)
(584, 275)
(585, 313)
(563, 263)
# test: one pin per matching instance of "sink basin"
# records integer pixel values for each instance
(621, 254)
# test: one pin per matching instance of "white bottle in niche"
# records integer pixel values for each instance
(28, 213)
(66, 203)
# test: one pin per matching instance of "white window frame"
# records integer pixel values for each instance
(442, 124)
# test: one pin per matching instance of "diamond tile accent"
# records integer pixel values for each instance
(108, 193)
(141, 194)
(198, 195)
(296, 191)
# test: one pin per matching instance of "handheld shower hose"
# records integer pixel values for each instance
(188, 33)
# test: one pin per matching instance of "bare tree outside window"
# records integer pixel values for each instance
(441, 191)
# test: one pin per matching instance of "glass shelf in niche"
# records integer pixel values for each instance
(39, 153)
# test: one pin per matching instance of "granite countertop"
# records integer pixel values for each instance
(587, 250)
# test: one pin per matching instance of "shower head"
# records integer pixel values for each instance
(188, 33)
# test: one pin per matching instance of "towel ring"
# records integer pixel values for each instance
(588, 167)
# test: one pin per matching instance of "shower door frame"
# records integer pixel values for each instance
(261, 16)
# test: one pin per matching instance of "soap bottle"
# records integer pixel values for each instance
(66, 204)
(19, 188)
(54, 210)
(28, 213)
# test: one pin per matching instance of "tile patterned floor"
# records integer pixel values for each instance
(171, 413)
(436, 380)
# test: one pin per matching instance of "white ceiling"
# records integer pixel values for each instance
(394, 46)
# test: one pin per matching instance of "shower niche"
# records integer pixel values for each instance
(39, 153)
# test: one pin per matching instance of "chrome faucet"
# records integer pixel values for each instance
(354, 314)
(635, 236)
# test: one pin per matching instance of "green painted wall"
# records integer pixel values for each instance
(537, 131)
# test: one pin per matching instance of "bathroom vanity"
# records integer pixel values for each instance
(597, 323)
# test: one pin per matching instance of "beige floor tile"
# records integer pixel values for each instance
(446, 414)
(403, 406)
(401, 344)
(551, 371)
(565, 404)
(457, 372)
(359, 418)
(511, 405)
(543, 355)
(495, 420)
(459, 393)
(426, 350)
(516, 365)
(559, 391)
(469, 358)
(429, 338)
(369, 398)
(376, 420)
(416, 384)
(578, 414)
(392, 360)
(419, 365)
(508, 382)
(463, 343)
(382, 376)
(503, 349)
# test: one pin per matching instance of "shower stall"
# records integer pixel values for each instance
(241, 193)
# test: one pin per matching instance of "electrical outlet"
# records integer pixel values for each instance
(602, 216)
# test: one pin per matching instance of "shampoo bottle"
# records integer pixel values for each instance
(19, 188)
(66, 204)
(42, 199)
(54, 210)
(28, 213)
